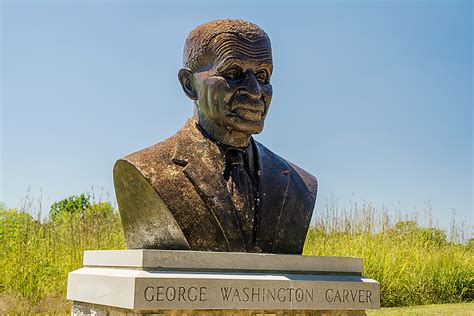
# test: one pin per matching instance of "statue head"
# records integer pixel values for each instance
(227, 65)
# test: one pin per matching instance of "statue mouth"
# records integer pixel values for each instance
(248, 108)
(250, 114)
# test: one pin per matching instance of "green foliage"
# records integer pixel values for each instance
(461, 309)
(36, 257)
(414, 265)
(470, 244)
(71, 205)
(410, 230)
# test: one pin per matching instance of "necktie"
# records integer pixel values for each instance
(240, 187)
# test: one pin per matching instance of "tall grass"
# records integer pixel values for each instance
(411, 271)
(36, 257)
(414, 265)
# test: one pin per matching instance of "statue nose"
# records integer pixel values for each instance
(252, 86)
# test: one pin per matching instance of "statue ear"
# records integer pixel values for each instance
(185, 78)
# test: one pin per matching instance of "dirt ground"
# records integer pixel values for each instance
(15, 304)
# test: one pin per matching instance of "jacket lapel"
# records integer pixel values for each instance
(203, 166)
(274, 181)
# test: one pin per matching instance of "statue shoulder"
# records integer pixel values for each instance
(147, 158)
(309, 180)
(147, 220)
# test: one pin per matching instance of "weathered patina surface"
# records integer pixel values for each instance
(211, 186)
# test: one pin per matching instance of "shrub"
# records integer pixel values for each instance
(409, 230)
(71, 205)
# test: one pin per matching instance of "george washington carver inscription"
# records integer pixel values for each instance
(254, 294)
(212, 186)
(263, 292)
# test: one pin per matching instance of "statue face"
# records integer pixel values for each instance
(233, 90)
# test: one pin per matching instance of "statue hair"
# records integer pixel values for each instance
(199, 42)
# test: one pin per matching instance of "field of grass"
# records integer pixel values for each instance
(414, 265)
(36, 257)
(461, 309)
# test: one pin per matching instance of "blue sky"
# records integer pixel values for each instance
(373, 97)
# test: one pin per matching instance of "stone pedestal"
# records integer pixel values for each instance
(166, 282)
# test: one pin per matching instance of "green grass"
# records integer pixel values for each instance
(463, 309)
(36, 257)
(411, 271)
(415, 266)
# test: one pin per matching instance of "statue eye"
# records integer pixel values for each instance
(233, 73)
(262, 76)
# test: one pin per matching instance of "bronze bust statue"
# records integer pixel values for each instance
(211, 186)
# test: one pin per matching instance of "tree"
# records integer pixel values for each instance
(71, 205)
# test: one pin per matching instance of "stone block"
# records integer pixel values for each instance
(159, 281)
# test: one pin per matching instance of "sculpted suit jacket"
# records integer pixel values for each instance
(172, 195)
